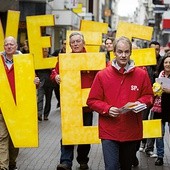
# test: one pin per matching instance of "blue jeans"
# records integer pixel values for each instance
(67, 154)
(118, 155)
(160, 142)
(67, 151)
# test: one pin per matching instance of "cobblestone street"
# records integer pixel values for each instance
(47, 155)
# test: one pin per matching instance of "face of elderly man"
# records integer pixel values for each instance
(10, 46)
(77, 43)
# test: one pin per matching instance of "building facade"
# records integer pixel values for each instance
(69, 13)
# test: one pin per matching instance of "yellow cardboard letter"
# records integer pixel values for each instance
(20, 116)
(11, 26)
(37, 41)
(73, 97)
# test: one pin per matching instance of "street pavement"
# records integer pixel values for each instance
(47, 155)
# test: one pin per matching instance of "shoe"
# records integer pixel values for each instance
(148, 153)
(142, 147)
(135, 162)
(40, 118)
(159, 162)
(45, 118)
(154, 155)
(84, 166)
(151, 154)
(63, 167)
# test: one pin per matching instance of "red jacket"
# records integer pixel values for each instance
(11, 76)
(112, 88)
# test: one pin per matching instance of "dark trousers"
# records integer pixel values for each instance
(118, 155)
(57, 93)
(44, 91)
(67, 151)
(13, 154)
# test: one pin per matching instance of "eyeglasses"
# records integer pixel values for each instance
(121, 53)
(76, 41)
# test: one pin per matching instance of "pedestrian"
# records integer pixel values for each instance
(25, 47)
(163, 114)
(77, 43)
(8, 153)
(114, 87)
(153, 71)
(60, 50)
(45, 90)
(109, 48)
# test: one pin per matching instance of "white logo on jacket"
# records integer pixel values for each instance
(134, 88)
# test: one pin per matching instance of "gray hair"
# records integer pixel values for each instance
(123, 39)
(12, 38)
(77, 33)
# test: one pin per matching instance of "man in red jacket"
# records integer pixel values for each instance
(113, 87)
(77, 43)
(8, 153)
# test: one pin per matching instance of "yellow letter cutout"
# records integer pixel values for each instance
(37, 41)
(19, 115)
(11, 28)
(152, 128)
(73, 98)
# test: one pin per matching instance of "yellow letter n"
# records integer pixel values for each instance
(19, 114)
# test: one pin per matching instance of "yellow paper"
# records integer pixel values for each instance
(152, 128)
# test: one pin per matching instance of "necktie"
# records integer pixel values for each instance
(122, 70)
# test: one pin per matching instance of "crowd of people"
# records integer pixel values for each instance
(120, 79)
